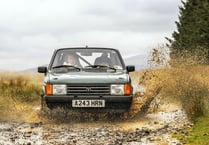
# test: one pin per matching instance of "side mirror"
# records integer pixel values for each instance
(130, 68)
(42, 69)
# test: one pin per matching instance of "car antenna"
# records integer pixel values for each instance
(86, 46)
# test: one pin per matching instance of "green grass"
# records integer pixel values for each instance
(198, 134)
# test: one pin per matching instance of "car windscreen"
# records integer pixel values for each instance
(85, 58)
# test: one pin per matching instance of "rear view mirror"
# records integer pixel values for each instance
(86, 53)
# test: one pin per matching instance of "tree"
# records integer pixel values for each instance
(192, 33)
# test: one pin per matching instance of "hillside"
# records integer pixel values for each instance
(140, 61)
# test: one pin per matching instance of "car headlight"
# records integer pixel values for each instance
(59, 89)
(56, 89)
(121, 89)
(117, 89)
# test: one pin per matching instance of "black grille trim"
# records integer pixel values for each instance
(87, 89)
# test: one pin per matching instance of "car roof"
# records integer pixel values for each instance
(87, 48)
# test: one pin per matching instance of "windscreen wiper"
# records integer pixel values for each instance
(101, 66)
(67, 66)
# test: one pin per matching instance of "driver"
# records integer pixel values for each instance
(72, 59)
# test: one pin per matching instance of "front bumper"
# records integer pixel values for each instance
(112, 103)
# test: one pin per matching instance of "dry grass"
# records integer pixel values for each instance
(187, 81)
(190, 86)
(18, 93)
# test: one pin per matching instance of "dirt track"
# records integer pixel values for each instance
(154, 128)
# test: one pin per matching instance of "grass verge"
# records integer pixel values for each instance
(198, 134)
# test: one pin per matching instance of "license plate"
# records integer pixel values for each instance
(88, 103)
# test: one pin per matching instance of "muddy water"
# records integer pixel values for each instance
(152, 128)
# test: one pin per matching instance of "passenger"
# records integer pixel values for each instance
(103, 60)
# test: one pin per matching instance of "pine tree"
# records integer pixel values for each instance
(192, 29)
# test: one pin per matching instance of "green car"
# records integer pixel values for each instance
(87, 79)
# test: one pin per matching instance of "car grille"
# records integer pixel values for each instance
(87, 89)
